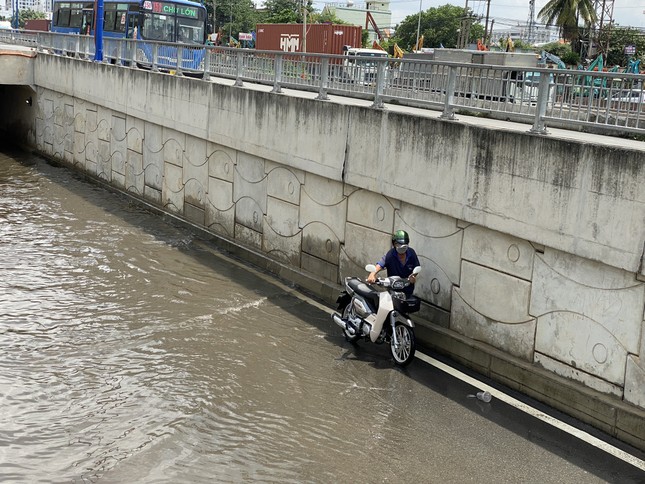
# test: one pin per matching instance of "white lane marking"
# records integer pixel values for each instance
(580, 434)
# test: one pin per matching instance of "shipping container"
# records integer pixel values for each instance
(37, 24)
(321, 38)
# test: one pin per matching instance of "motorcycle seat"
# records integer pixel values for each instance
(369, 293)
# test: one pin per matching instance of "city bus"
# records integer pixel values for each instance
(175, 21)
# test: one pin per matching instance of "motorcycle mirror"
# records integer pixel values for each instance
(370, 268)
(416, 270)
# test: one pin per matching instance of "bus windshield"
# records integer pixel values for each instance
(173, 22)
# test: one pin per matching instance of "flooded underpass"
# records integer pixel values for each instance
(134, 351)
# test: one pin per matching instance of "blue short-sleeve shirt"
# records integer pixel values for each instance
(392, 264)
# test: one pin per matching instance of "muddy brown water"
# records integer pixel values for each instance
(132, 351)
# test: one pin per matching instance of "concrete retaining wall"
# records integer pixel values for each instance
(532, 247)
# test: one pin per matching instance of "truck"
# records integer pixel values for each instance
(357, 67)
(509, 84)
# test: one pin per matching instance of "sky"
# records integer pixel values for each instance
(627, 13)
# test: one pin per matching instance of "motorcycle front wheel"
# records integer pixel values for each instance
(352, 338)
(403, 352)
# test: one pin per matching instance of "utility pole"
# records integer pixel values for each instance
(304, 26)
(464, 31)
(15, 19)
(531, 21)
(419, 23)
(215, 17)
(486, 27)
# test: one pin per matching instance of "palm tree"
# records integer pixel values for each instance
(566, 15)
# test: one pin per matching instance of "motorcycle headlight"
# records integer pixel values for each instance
(399, 285)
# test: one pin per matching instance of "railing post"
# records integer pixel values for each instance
(133, 54)
(544, 88)
(324, 79)
(155, 57)
(207, 64)
(380, 85)
(180, 57)
(77, 44)
(448, 111)
(238, 72)
(278, 75)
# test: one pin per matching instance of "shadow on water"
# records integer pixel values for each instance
(193, 242)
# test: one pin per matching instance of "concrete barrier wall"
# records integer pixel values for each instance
(532, 247)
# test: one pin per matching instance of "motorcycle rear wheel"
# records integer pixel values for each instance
(403, 353)
(351, 338)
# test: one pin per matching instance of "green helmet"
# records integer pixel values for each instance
(400, 237)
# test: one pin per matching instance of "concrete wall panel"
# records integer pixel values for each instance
(516, 339)
(250, 192)
(581, 343)
(370, 210)
(285, 248)
(134, 173)
(362, 246)
(282, 217)
(498, 251)
(221, 162)
(173, 189)
(559, 289)
(134, 133)
(437, 241)
(284, 183)
(174, 144)
(320, 241)
(322, 201)
(220, 209)
(195, 171)
(572, 373)
(494, 295)
(635, 381)
(118, 145)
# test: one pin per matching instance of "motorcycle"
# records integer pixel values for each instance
(379, 315)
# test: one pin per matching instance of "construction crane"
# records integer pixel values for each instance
(369, 20)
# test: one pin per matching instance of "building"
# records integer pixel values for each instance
(357, 14)
(540, 34)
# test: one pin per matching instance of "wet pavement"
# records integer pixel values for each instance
(134, 351)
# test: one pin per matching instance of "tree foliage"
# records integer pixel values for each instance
(564, 52)
(327, 16)
(28, 14)
(285, 11)
(439, 26)
(619, 37)
(567, 14)
(232, 16)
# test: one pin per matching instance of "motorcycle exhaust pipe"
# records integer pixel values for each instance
(337, 319)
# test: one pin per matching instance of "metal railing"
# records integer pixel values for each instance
(602, 102)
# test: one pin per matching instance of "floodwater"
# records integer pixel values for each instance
(132, 351)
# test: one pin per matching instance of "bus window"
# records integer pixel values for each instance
(132, 25)
(87, 22)
(76, 16)
(62, 19)
(110, 18)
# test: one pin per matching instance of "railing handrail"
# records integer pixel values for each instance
(571, 99)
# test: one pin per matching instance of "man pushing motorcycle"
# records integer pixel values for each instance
(400, 261)
(379, 311)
